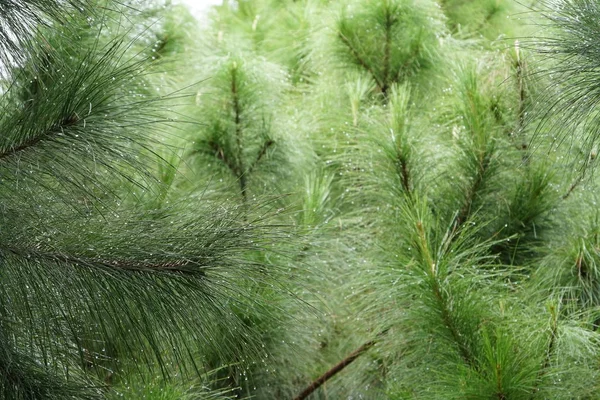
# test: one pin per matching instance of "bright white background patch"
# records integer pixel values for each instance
(199, 7)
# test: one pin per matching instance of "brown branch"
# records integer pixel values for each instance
(71, 120)
(386, 52)
(179, 266)
(220, 154)
(237, 111)
(404, 173)
(317, 383)
(499, 390)
(520, 71)
(591, 159)
(574, 185)
(261, 154)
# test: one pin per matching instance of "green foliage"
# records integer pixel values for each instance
(90, 280)
(572, 52)
(239, 124)
(315, 202)
(153, 388)
(372, 199)
(468, 17)
(390, 40)
(21, 20)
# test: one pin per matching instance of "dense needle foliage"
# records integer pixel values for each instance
(379, 199)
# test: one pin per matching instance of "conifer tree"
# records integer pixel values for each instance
(307, 199)
(449, 195)
(99, 286)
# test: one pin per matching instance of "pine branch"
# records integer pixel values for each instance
(572, 95)
(424, 250)
(581, 176)
(57, 128)
(89, 112)
(401, 153)
(120, 281)
(20, 20)
(23, 378)
(404, 172)
(441, 300)
(389, 24)
(574, 185)
(218, 151)
(178, 265)
(414, 52)
(261, 153)
(140, 282)
(473, 190)
(360, 60)
(237, 113)
(520, 71)
(317, 383)
(549, 351)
